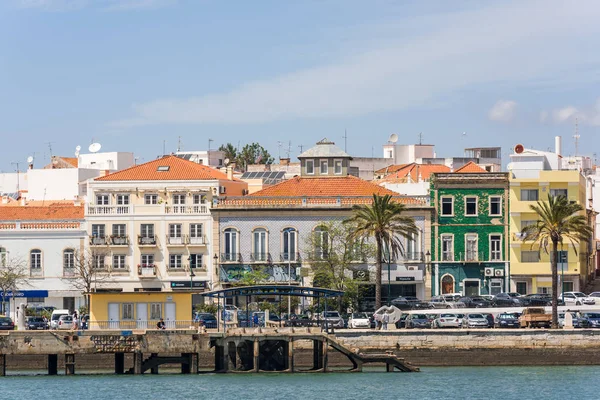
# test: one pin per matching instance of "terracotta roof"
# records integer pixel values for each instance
(390, 169)
(414, 171)
(470, 167)
(174, 169)
(38, 203)
(346, 186)
(38, 213)
(62, 162)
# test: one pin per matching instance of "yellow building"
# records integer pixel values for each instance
(533, 176)
(140, 310)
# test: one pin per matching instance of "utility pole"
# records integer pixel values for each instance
(209, 142)
(345, 140)
(300, 147)
(18, 179)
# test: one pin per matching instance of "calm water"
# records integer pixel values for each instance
(432, 383)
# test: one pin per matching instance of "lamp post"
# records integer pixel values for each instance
(388, 258)
(216, 265)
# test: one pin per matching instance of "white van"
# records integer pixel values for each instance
(55, 316)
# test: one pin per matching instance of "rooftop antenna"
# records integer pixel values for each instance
(179, 143)
(279, 144)
(164, 147)
(345, 140)
(289, 149)
(420, 138)
(393, 138)
(18, 187)
(209, 142)
(50, 148)
(300, 147)
(576, 136)
(77, 150)
(30, 161)
(94, 147)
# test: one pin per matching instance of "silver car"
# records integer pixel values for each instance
(446, 301)
(474, 321)
(447, 321)
(332, 319)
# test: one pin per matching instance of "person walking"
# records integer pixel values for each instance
(384, 321)
(75, 321)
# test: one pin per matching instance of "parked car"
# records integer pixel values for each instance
(446, 301)
(331, 319)
(359, 320)
(6, 324)
(447, 321)
(56, 314)
(208, 320)
(65, 322)
(402, 303)
(595, 296)
(36, 323)
(577, 322)
(507, 320)
(576, 298)
(474, 321)
(475, 302)
(592, 320)
(417, 321)
(536, 300)
(507, 300)
(422, 305)
(401, 323)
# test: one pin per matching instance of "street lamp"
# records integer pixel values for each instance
(388, 258)
(191, 272)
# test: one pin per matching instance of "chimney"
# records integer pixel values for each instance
(558, 145)
(230, 173)
(284, 161)
(4, 199)
(76, 201)
(23, 202)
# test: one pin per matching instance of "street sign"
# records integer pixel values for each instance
(186, 284)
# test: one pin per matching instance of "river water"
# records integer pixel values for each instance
(455, 383)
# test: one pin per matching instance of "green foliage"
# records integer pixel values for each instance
(211, 308)
(253, 154)
(83, 310)
(256, 276)
(229, 151)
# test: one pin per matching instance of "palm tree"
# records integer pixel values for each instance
(558, 220)
(383, 220)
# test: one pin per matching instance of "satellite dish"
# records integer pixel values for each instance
(78, 148)
(94, 147)
(393, 138)
(519, 148)
(226, 161)
(464, 133)
(30, 159)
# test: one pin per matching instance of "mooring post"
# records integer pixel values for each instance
(119, 363)
(317, 354)
(52, 364)
(325, 345)
(291, 355)
(154, 370)
(256, 355)
(138, 359)
(193, 363)
(69, 364)
(2, 365)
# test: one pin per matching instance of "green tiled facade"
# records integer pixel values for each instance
(469, 233)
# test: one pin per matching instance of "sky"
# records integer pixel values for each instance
(143, 75)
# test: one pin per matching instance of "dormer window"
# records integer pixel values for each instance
(337, 167)
(163, 168)
(324, 170)
(310, 167)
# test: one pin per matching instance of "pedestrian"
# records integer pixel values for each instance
(255, 319)
(160, 324)
(376, 320)
(384, 321)
(75, 321)
(490, 319)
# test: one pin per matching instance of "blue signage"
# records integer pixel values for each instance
(26, 293)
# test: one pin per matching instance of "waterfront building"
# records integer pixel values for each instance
(43, 238)
(469, 234)
(271, 229)
(149, 225)
(534, 175)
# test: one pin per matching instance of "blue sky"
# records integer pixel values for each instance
(131, 74)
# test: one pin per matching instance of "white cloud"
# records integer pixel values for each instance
(53, 5)
(589, 115)
(543, 116)
(462, 51)
(564, 114)
(124, 5)
(106, 5)
(503, 111)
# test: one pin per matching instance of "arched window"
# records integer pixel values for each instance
(288, 248)
(447, 284)
(230, 245)
(35, 257)
(321, 242)
(69, 259)
(259, 244)
(3, 257)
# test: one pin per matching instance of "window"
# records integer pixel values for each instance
(530, 256)
(323, 169)
(471, 205)
(447, 206)
(558, 192)
(119, 261)
(178, 199)
(259, 245)
(175, 261)
(471, 247)
(412, 249)
(122, 199)
(151, 199)
(3, 257)
(230, 236)
(447, 248)
(119, 230)
(102, 199)
(529, 195)
(147, 260)
(175, 231)
(495, 205)
(321, 236)
(310, 167)
(127, 311)
(563, 258)
(36, 259)
(522, 287)
(195, 260)
(289, 244)
(199, 199)
(98, 261)
(495, 247)
(196, 236)
(495, 287)
(69, 259)
(526, 223)
(544, 290)
(147, 230)
(98, 230)
(337, 167)
(163, 168)
(155, 310)
(567, 286)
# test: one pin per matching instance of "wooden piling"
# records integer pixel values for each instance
(69, 364)
(138, 359)
(2, 364)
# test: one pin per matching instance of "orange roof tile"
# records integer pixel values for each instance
(414, 171)
(346, 186)
(470, 167)
(175, 169)
(390, 169)
(71, 160)
(39, 213)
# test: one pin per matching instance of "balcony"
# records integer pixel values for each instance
(318, 256)
(178, 269)
(147, 271)
(176, 240)
(260, 257)
(147, 240)
(119, 240)
(98, 240)
(291, 257)
(183, 209)
(197, 240)
(109, 210)
(147, 209)
(231, 257)
(413, 256)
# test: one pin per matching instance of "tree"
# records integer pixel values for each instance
(87, 271)
(253, 154)
(229, 151)
(255, 276)
(384, 221)
(558, 220)
(333, 254)
(13, 274)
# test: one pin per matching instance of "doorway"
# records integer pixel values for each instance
(447, 284)
(471, 287)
